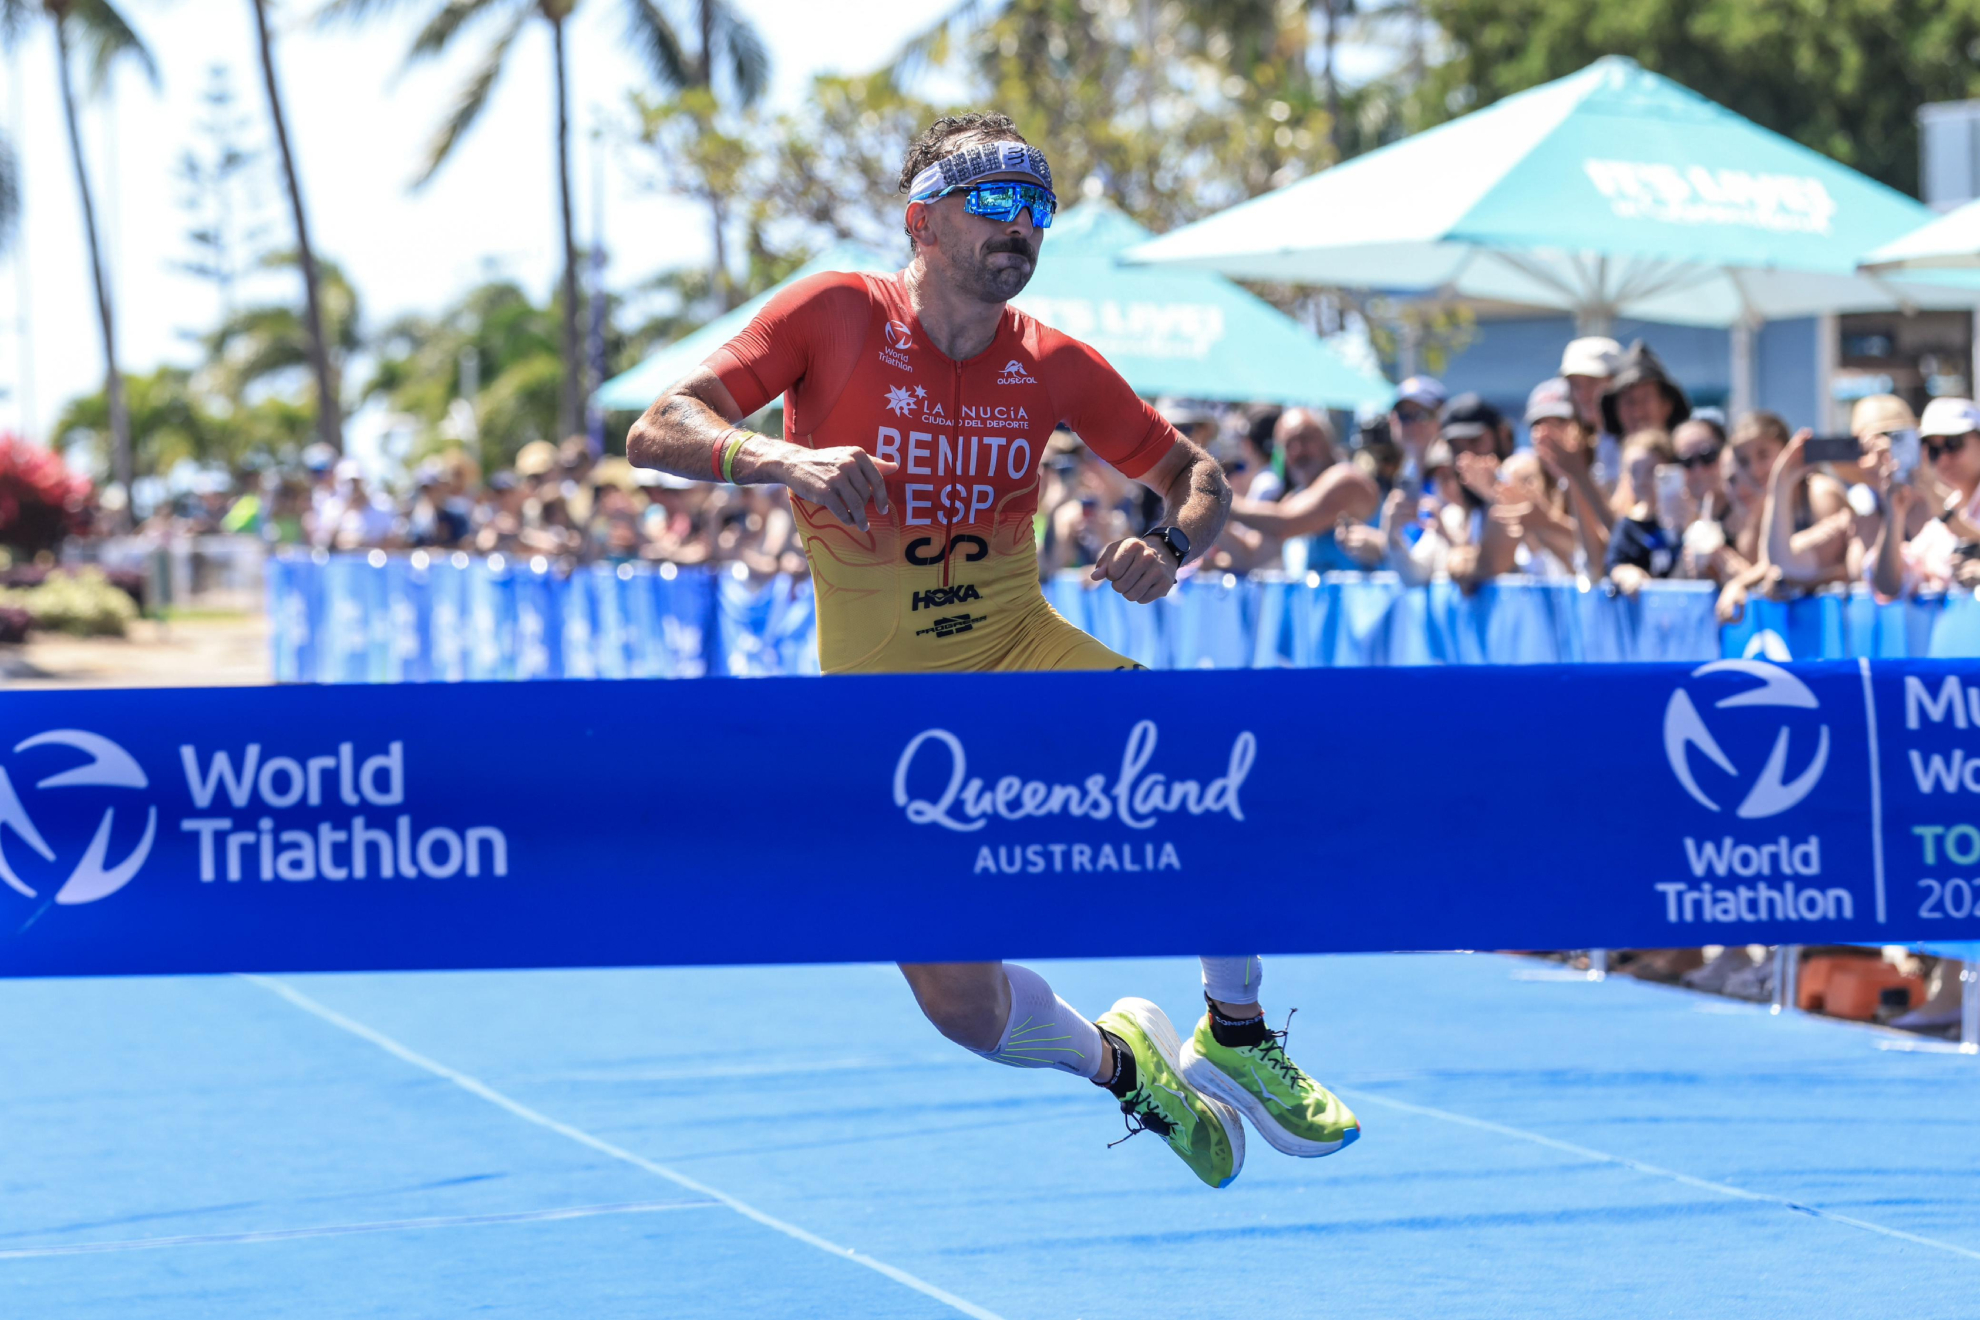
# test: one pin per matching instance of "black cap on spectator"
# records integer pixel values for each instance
(1468, 416)
(1639, 365)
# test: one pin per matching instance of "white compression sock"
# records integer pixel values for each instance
(1232, 980)
(1044, 1031)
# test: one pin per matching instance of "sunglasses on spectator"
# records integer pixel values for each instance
(1938, 446)
(1002, 200)
(1407, 413)
(1706, 459)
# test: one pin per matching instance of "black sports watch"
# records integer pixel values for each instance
(1170, 539)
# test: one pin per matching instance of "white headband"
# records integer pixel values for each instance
(973, 163)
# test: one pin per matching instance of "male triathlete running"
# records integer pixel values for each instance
(917, 408)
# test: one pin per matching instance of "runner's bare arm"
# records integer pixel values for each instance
(683, 431)
(1197, 500)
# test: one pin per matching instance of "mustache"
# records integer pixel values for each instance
(1014, 245)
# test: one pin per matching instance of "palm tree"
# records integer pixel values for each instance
(426, 365)
(103, 34)
(257, 343)
(727, 41)
(329, 416)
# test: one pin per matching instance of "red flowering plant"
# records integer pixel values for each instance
(41, 500)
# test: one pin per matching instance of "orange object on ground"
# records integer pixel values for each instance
(1813, 983)
(1853, 987)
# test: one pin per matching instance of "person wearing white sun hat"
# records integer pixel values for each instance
(1587, 364)
(1946, 551)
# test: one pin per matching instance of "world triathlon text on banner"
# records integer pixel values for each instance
(919, 817)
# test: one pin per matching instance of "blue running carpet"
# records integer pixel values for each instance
(798, 1142)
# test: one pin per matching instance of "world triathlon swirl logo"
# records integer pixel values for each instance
(108, 773)
(1790, 771)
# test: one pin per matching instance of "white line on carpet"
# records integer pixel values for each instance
(1702, 1184)
(341, 1230)
(477, 1087)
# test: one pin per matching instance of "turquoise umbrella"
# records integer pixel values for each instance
(1613, 192)
(1182, 333)
(1187, 334)
(1949, 242)
(636, 389)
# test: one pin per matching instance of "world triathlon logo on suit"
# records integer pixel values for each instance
(933, 786)
(1758, 762)
(898, 341)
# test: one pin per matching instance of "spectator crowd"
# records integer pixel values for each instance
(1617, 477)
(554, 502)
(1620, 478)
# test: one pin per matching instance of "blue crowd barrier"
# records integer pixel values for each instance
(1834, 625)
(476, 825)
(381, 618)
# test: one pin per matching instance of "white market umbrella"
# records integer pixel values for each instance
(1951, 242)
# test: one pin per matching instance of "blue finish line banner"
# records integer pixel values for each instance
(934, 817)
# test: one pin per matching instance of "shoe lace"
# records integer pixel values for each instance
(1139, 1112)
(1272, 1053)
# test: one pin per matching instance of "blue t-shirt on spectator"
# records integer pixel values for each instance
(1640, 544)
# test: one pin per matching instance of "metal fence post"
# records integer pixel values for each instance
(1787, 965)
(1969, 1021)
(1969, 1007)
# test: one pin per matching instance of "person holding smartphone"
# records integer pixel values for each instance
(1805, 518)
(1641, 547)
(1886, 431)
(1943, 553)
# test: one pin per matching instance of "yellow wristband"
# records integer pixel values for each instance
(737, 440)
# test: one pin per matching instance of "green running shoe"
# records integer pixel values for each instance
(1291, 1111)
(1205, 1132)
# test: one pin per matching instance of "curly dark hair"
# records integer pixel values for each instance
(940, 139)
(946, 136)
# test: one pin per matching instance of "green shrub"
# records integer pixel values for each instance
(84, 603)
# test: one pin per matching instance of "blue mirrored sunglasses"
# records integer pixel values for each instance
(1002, 201)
